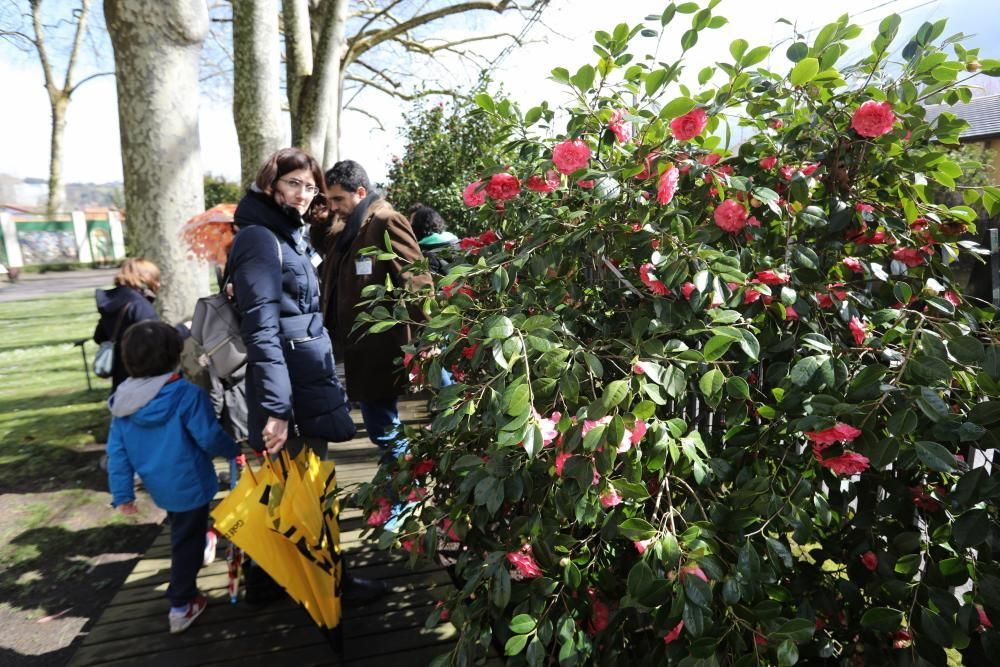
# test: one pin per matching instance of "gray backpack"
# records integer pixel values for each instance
(216, 328)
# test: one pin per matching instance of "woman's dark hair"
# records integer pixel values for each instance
(349, 175)
(292, 159)
(426, 221)
(151, 348)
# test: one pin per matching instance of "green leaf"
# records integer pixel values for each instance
(584, 78)
(797, 629)
(677, 107)
(515, 644)
(749, 345)
(655, 80)
(485, 102)
(711, 383)
(522, 624)
(804, 71)
(614, 394)
(716, 347)
(636, 529)
(985, 413)
(971, 529)
(788, 653)
(755, 56)
(932, 405)
(936, 628)
(737, 387)
(501, 328)
(697, 591)
(883, 619)
(737, 48)
(797, 51)
(966, 349)
(934, 456)
(689, 39)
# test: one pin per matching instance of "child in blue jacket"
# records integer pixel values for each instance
(164, 429)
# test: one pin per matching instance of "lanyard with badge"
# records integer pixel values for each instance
(363, 266)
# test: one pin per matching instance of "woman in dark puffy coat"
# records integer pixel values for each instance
(130, 301)
(293, 394)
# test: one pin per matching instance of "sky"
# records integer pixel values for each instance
(564, 38)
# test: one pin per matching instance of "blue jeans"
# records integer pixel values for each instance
(381, 419)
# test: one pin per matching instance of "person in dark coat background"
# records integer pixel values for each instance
(291, 380)
(130, 301)
(436, 242)
(360, 217)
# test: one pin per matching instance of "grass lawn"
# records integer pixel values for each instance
(63, 550)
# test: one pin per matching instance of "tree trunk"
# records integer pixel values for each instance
(256, 83)
(318, 98)
(55, 199)
(157, 46)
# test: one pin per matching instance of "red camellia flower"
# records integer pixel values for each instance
(823, 300)
(869, 560)
(503, 186)
(524, 562)
(858, 330)
(422, 468)
(690, 125)
(768, 162)
(787, 172)
(848, 463)
(470, 350)
(864, 208)
(854, 264)
(471, 197)
(710, 159)
(538, 184)
(570, 155)
(618, 125)
(674, 634)
(730, 216)
(650, 280)
(909, 256)
(586, 184)
(901, 638)
(488, 237)
(382, 514)
(808, 168)
(599, 613)
(873, 119)
(772, 277)
(667, 185)
(776, 123)
(686, 290)
(790, 313)
(839, 432)
(984, 620)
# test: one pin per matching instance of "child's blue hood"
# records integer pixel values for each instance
(134, 395)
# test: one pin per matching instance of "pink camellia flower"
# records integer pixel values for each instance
(642, 545)
(590, 424)
(619, 126)
(730, 216)
(854, 264)
(448, 528)
(786, 172)
(776, 123)
(858, 330)
(650, 280)
(667, 185)
(471, 197)
(873, 119)
(444, 614)
(984, 620)
(382, 514)
(549, 183)
(770, 277)
(952, 298)
(547, 425)
(647, 166)
(570, 155)
(901, 639)
(909, 256)
(808, 168)
(687, 289)
(839, 432)
(790, 313)
(673, 634)
(524, 562)
(503, 186)
(561, 459)
(586, 184)
(710, 159)
(599, 613)
(417, 493)
(610, 498)
(637, 369)
(695, 571)
(869, 560)
(768, 162)
(848, 463)
(864, 208)
(690, 125)
(752, 221)
(823, 300)
(638, 431)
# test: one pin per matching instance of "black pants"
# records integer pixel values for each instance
(187, 552)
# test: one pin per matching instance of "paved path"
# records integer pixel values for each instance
(35, 285)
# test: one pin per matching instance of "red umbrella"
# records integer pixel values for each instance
(209, 234)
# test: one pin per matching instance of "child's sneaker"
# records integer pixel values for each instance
(182, 621)
(210, 541)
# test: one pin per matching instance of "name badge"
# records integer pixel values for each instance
(363, 267)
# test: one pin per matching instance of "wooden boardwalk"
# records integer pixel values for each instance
(133, 629)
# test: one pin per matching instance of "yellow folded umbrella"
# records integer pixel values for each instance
(270, 513)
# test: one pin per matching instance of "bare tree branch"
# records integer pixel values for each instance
(81, 26)
(364, 41)
(366, 113)
(377, 15)
(86, 79)
(39, 41)
(423, 47)
(409, 97)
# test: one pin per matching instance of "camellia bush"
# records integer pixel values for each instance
(717, 398)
